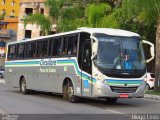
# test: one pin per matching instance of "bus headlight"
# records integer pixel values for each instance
(100, 78)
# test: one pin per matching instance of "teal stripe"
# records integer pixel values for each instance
(79, 73)
(84, 76)
(23, 63)
(124, 81)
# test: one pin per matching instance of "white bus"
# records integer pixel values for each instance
(87, 62)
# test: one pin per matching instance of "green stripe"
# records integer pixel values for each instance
(37, 63)
(124, 83)
(84, 77)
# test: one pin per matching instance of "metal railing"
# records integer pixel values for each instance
(8, 33)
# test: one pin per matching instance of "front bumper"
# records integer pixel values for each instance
(104, 90)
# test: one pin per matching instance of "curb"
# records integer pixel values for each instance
(153, 97)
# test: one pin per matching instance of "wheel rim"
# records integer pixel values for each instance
(70, 92)
(23, 86)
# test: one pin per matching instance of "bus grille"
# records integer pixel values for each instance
(124, 89)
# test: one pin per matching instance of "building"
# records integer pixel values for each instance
(9, 7)
(9, 12)
(30, 7)
(8, 29)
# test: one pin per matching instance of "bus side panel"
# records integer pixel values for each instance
(12, 76)
(61, 73)
(41, 79)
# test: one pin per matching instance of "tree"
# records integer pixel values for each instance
(72, 18)
(95, 14)
(43, 21)
(55, 9)
(65, 14)
(71, 14)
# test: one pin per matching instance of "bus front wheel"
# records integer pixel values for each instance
(23, 88)
(68, 92)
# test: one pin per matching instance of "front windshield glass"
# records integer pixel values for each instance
(123, 53)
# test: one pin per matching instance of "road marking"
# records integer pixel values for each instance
(116, 112)
(2, 111)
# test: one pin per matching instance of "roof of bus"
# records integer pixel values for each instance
(108, 31)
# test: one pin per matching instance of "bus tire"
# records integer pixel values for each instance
(111, 100)
(68, 92)
(23, 88)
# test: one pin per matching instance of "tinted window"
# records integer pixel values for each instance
(12, 52)
(65, 46)
(20, 50)
(39, 49)
(70, 45)
(31, 50)
(51, 43)
(42, 48)
(45, 48)
(55, 45)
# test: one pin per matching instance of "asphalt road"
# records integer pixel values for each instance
(13, 102)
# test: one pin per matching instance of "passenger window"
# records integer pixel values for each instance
(39, 49)
(45, 48)
(21, 51)
(70, 45)
(65, 46)
(51, 44)
(56, 47)
(11, 52)
(31, 50)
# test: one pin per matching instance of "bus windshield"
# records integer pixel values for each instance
(119, 53)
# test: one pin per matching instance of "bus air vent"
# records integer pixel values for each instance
(124, 89)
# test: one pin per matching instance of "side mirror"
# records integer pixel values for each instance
(151, 50)
(94, 46)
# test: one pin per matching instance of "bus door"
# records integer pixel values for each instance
(86, 66)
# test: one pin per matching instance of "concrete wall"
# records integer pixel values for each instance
(36, 5)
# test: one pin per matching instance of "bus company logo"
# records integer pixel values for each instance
(48, 62)
(125, 84)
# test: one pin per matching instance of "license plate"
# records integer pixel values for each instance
(123, 95)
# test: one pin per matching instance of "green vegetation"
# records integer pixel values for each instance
(152, 92)
(41, 20)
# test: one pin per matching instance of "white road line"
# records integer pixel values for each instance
(116, 112)
(2, 111)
